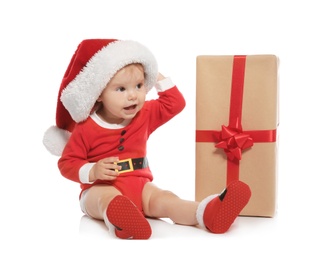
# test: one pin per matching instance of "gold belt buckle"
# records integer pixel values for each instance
(123, 164)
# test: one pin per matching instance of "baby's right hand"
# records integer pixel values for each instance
(105, 169)
(160, 77)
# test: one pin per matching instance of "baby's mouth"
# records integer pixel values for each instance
(130, 107)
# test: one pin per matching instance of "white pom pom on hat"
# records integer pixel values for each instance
(55, 139)
(91, 67)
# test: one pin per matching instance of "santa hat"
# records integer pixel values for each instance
(92, 66)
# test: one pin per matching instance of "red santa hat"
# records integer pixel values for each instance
(92, 66)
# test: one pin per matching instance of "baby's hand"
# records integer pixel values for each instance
(105, 169)
(160, 77)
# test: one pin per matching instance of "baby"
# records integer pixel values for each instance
(103, 122)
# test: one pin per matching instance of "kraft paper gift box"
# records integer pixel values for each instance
(236, 127)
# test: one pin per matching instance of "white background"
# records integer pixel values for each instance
(40, 215)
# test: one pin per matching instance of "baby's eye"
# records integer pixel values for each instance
(120, 89)
(139, 86)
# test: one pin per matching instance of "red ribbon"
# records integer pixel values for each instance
(232, 139)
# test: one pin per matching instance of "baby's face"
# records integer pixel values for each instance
(124, 95)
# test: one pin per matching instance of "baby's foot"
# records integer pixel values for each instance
(222, 210)
(127, 219)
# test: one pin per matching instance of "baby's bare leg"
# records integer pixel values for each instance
(98, 198)
(160, 203)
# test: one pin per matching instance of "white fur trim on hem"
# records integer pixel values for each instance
(201, 208)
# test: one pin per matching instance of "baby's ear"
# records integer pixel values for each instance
(96, 106)
(99, 99)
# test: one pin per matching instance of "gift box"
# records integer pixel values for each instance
(236, 127)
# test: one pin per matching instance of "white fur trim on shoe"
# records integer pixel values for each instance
(109, 225)
(201, 208)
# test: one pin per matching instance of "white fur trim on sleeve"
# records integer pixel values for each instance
(164, 84)
(84, 173)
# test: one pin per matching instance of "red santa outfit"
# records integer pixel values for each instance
(93, 140)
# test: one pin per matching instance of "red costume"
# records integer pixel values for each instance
(91, 142)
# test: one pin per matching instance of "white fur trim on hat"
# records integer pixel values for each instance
(55, 140)
(81, 93)
(201, 208)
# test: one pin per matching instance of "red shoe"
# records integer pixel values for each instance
(128, 220)
(217, 213)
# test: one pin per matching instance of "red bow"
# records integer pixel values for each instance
(233, 141)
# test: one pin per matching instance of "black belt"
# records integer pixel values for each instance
(129, 165)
